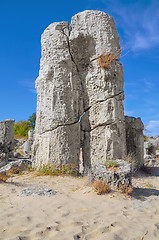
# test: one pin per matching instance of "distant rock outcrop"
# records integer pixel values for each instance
(6, 140)
(28, 144)
(135, 141)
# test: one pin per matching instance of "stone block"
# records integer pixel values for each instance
(6, 140)
(135, 141)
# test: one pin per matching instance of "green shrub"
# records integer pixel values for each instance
(21, 128)
(111, 163)
(32, 120)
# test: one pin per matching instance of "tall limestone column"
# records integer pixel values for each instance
(57, 132)
(93, 34)
(79, 103)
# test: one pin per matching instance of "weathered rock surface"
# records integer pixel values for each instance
(151, 145)
(135, 141)
(20, 164)
(28, 144)
(59, 146)
(114, 178)
(71, 84)
(57, 100)
(149, 148)
(37, 191)
(102, 90)
(6, 140)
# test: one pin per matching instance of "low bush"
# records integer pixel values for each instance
(5, 176)
(100, 187)
(52, 170)
(112, 165)
(125, 188)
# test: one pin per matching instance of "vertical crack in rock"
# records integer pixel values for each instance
(67, 37)
(57, 138)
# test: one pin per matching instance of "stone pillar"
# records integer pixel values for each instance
(6, 139)
(29, 143)
(72, 84)
(93, 33)
(57, 132)
(135, 141)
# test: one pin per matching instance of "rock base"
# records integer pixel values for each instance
(122, 176)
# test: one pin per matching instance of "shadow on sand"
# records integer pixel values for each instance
(143, 193)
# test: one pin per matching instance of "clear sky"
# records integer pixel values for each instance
(22, 23)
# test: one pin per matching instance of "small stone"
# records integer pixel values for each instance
(37, 191)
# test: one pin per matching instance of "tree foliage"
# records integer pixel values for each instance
(32, 120)
(21, 128)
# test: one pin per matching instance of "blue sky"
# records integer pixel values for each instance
(23, 22)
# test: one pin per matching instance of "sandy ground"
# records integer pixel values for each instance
(76, 212)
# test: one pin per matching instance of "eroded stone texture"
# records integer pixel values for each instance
(21, 165)
(59, 146)
(6, 140)
(135, 141)
(71, 83)
(37, 191)
(103, 129)
(57, 100)
(111, 177)
(28, 144)
(149, 148)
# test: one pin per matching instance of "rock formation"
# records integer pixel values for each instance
(93, 34)
(151, 150)
(79, 96)
(6, 140)
(135, 141)
(28, 144)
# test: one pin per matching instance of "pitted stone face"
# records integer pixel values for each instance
(112, 177)
(72, 84)
(6, 139)
(135, 141)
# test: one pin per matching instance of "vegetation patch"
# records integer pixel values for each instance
(104, 60)
(21, 128)
(125, 188)
(8, 174)
(112, 165)
(149, 185)
(100, 187)
(52, 170)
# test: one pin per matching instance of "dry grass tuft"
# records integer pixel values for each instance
(5, 176)
(100, 187)
(105, 60)
(52, 170)
(125, 188)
